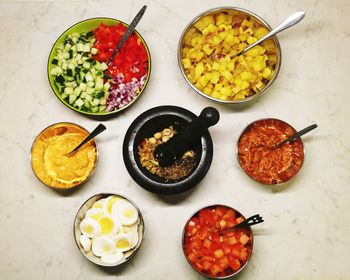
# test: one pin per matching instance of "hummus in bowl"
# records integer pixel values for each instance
(51, 162)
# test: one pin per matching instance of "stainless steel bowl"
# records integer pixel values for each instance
(244, 12)
(183, 242)
(246, 129)
(54, 126)
(81, 215)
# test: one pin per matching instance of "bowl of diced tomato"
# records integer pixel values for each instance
(212, 251)
(83, 78)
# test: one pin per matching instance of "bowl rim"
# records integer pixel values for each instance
(237, 156)
(169, 188)
(50, 56)
(183, 240)
(256, 17)
(100, 196)
(36, 138)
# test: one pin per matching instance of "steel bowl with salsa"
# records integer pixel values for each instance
(260, 160)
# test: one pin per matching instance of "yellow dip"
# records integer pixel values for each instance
(51, 162)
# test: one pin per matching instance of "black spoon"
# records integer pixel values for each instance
(128, 32)
(296, 135)
(253, 220)
(93, 134)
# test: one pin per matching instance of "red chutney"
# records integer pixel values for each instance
(214, 253)
(131, 60)
(263, 163)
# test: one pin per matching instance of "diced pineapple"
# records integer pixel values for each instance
(216, 65)
(186, 62)
(220, 18)
(227, 75)
(260, 32)
(226, 91)
(207, 49)
(203, 80)
(197, 41)
(215, 77)
(215, 41)
(218, 87)
(204, 22)
(247, 76)
(211, 28)
(215, 94)
(190, 34)
(266, 73)
(251, 40)
(247, 23)
(258, 63)
(199, 69)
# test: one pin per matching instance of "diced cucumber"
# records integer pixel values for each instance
(104, 66)
(72, 98)
(102, 108)
(86, 103)
(88, 97)
(98, 83)
(64, 96)
(79, 102)
(94, 51)
(90, 84)
(77, 91)
(86, 48)
(68, 90)
(90, 90)
(80, 47)
(86, 65)
(94, 109)
(106, 86)
(95, 102)
(82, 86)
(88, 77)
(103, 101)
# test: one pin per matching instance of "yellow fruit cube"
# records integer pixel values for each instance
(207, 49)
(197, 41)
(251, 40)
(216, 65)
(218, 87)
(203, 81)
(199, 70)
(214, 77)
(204, 22)
(211, 28)
(253, 52)
(239, 97)
(196, 55)
(215, 41)
(186, 62)
(247, 23)
(190, 34)
(266, 73)
(223, 97)
(258, 63)
(247, 76)
(227, 75)
(220, 18)
(226, 91)
(222, 67)
(230, 39)
(207, 91)
(230, 66)
(207, 67)
(260, 32)
(215, 94)
(245, 85)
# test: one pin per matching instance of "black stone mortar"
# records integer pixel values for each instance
(155, 120)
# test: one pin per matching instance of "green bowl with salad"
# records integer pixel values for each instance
(81, 76)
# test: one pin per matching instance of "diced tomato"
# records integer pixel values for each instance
(213, 253)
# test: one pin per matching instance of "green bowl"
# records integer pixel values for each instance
(85, 26)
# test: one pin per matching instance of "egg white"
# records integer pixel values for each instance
(92, 224)
(102, 246)
(125, 212)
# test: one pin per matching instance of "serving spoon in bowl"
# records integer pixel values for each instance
(296, 135)
(289, 22)
(128, 32)
(100, 128)
(252, 220)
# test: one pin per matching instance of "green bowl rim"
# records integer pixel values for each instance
(104, 113)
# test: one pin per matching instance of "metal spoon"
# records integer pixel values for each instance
(128, 32)
(289, 22)
(93, 134)
(296, 135)
(253, 220)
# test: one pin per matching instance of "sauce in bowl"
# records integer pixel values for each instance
(259, 159)
(51, 162)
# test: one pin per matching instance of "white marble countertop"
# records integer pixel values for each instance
(306, 229)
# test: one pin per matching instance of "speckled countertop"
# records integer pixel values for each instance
(307, 225)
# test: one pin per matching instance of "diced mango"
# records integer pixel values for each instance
(260, 32)
(215, 77)
(251, 40)
(266, 73)
(186, 63)
(204, 22)
(211, 28)
(227, 75)
(199, 69)
(207, 49)
(247, 76)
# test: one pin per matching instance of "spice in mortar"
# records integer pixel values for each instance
(174, 172)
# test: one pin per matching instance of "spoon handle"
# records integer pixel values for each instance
(289, 22)
(128, 32)
(296, 135)
(253, 220)
(93, 134)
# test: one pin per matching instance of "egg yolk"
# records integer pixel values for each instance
(123, 243)
(128, 213)
(89, 229)
(106, 224)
